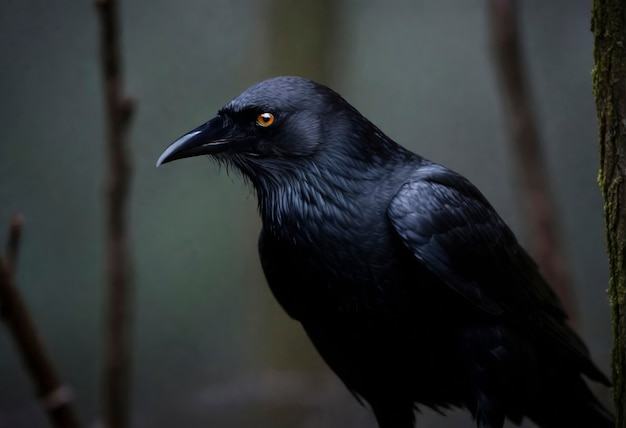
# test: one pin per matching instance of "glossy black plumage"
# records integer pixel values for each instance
(408, 283)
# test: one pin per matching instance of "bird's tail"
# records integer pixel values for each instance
(569, 403)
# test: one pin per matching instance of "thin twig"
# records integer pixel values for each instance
(13, 243)
(539, 202)
(55, 397)
(119, 109)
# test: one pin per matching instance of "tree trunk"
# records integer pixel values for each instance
(609, 85)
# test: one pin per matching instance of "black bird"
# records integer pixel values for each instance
(406, 280)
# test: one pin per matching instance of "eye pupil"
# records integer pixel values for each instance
(265, 119)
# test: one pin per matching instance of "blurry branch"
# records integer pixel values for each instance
(13, 243)
(608, 23)
(303, 36)
(118, 312)
(539, 203)
(55, 397)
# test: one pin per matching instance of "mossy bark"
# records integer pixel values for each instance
(609, 85)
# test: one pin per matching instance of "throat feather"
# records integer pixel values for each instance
(305, 208)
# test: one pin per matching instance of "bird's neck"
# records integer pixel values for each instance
(306, 202)
(289, 204)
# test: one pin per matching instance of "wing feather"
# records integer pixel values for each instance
(451, 228)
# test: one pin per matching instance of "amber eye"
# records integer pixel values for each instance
(265, 119)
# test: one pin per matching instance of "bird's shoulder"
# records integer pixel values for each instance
(452, 229)
(434, 200)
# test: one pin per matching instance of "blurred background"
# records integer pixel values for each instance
(211, 347)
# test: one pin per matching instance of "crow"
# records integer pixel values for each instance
(408, 283)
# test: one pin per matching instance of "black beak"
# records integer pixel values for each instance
(210, 138)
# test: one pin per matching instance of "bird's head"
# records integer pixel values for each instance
(279, 125)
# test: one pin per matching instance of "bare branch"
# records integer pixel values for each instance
(119, 109)
(56, 398)
(13, 243)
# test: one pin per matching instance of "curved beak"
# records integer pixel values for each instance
(209, 138)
